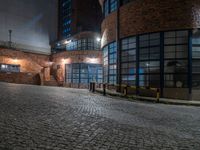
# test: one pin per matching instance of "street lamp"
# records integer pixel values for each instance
(10, 38)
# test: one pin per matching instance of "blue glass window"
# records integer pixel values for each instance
(83, 73)
(109, 6)
(128, 58)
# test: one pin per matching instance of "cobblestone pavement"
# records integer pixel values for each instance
(34, 117)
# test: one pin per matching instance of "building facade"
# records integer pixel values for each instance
(77, 52)
(76, 56)
(76, 16)
(152, 44)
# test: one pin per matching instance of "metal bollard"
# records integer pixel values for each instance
(104, 89)
(90, 87)
(158, 96)
(126, 90)
(93, 87)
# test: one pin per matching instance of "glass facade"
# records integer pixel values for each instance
(9, 68)
(81, 73)
(83, 44)
(149, 60)
(168, 59)
(109, 6)
(128, 59)
(65, 17)
(196, 59)
(112, 5)
(176, 59)
(110, 63)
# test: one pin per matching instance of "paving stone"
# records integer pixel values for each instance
(42, 118)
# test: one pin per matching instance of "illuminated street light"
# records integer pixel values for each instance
(98, 39)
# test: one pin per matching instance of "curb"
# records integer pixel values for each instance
(150, 99)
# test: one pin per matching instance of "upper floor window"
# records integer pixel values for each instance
(109, 6)
(83, 44)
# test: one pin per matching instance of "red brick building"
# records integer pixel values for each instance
(152, 44)
(76, 57)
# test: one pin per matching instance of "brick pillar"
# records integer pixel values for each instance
(47, 74)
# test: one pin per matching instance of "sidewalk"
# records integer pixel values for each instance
(151, 99)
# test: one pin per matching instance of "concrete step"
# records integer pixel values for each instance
(52, 82)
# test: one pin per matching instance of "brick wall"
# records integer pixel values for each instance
(31, 65)
(144, 16)
(68, 57)
(20, 78)
(28, 62)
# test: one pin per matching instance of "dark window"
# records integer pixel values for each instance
(196, 59)
(109, 6)
(149, 60)
(176, 59)
(128, 58)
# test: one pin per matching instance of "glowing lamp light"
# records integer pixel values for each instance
(66, 61)
(15, 60)
(3, 66)
(98, 39)
(92, 60)
(67, 41)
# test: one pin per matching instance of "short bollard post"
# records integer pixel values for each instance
(158, 96)
(93, 87)
(90, 88)
(126, 90)
(104, 89)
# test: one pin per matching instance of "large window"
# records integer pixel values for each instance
(83, 44)
(149, 60)
(110, 63)
(9, 68)
(196, 59)
(128, 59)
(109, 6)
(83, 73)
(160, 60)
(176, 59)
(105, 64)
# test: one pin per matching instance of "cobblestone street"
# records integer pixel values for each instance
(34, 117)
